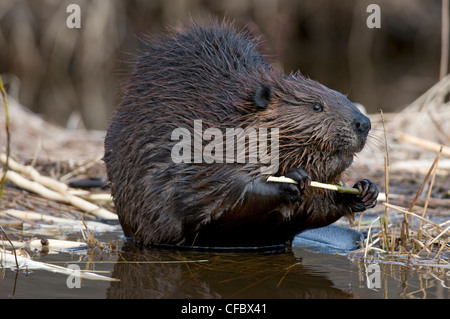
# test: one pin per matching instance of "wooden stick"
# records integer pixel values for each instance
(26, 262)
(340, 189)
(33, 187)
(429, 145)
(58, 221)
(37, 188)
(34, 175)
(51, 244)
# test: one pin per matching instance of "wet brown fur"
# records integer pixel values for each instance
(211, 74)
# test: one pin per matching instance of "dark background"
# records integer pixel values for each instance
(59, 72)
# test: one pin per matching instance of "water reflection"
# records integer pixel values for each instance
(161, 273)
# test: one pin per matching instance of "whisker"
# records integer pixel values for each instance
(374, 146)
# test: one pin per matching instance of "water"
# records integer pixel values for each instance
(303, 272)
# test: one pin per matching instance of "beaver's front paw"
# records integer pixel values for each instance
(294, 191)
(367, 198)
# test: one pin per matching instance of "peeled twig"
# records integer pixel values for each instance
(101, 197)
(428, 145)
(37, 188)
(27, 215)
(33, 187)
(6, 259)
(90, 207)
(340, 189)
(34, 175)
(51, 244)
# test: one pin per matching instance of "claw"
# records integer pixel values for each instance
(368, 196)
(303, 181)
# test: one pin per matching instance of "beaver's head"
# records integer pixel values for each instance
(320, 129)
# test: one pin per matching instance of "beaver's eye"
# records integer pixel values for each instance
(317, 108)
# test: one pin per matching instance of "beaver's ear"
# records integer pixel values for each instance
(263, 96)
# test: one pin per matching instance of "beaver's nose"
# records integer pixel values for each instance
(361, 124)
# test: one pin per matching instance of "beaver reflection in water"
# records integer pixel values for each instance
(217, 75)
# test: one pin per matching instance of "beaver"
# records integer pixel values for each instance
(217, 75)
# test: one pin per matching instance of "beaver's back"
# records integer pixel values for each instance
(196, 72)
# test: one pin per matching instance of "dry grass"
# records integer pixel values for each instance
(416, 240)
